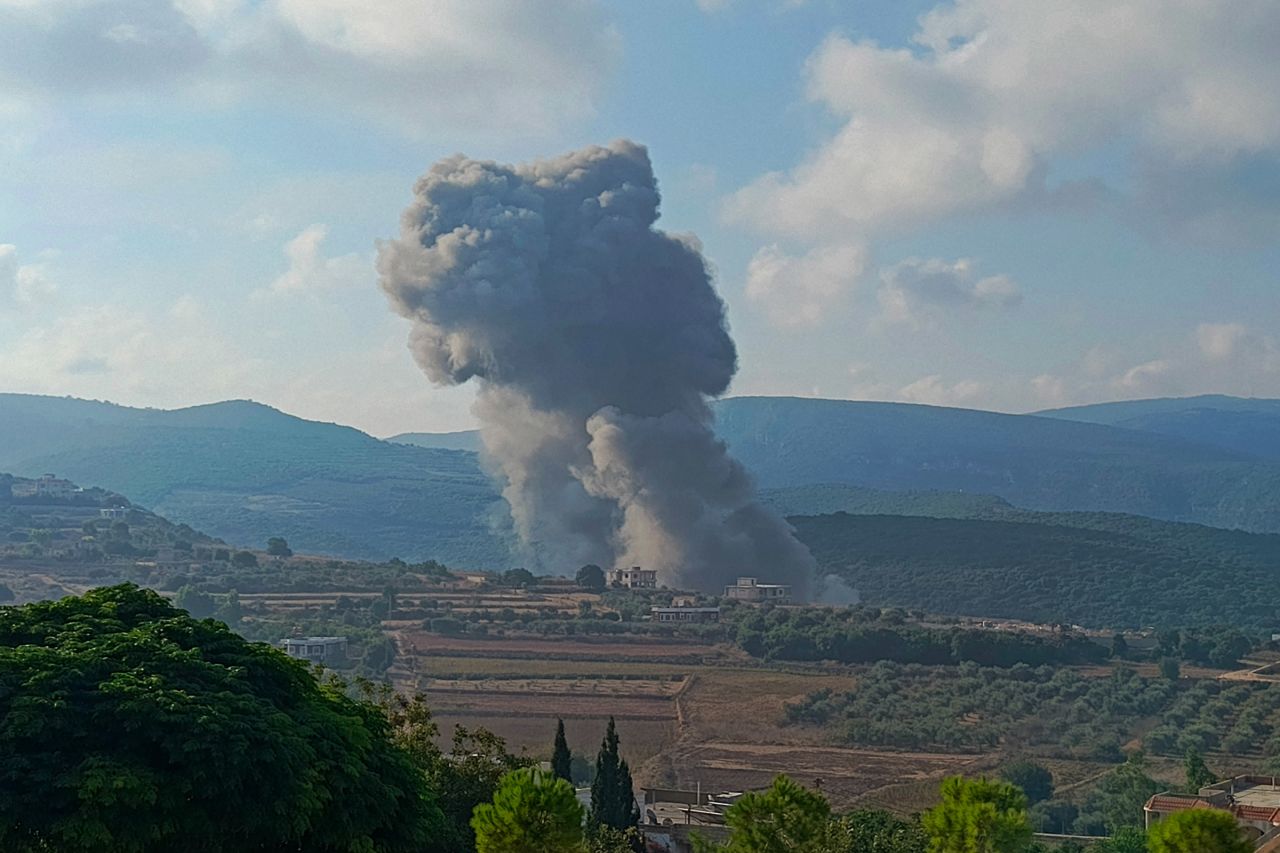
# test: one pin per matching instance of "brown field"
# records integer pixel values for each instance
(421, 643)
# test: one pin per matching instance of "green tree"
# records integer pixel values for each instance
(1124, 792)
(245, 560)
(874, 831)
(6, 594)
(1198, 773)
(1035, 780)
(785, 817)
(464, 777)
(199, 604)
(606, 839)
(135, 728)
(1198, 831)
(978, 816)
(590, 577)
(1129, 839)
(1170, 668)
(230, 611)
(531, 812)
(561, 757)
(278, 547)
(1119, 646)
(613, 801)
(518, 578)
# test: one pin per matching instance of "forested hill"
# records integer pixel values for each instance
(245, 472)
(1245, 425)
(1091, 569)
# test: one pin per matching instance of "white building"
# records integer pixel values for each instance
(634, 578)
(326, 650)
(752, 591)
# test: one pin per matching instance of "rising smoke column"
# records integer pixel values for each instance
(596, 341)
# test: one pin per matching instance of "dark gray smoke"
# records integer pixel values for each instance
(596, 340)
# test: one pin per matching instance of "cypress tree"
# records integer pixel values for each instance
(561, 758)
(613, 800)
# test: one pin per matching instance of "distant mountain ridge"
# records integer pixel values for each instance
(1245, 425)
(244, 471)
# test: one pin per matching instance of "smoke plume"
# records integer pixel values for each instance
(596, 341)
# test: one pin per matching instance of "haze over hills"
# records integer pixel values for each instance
(1247, 425)
(244, 471)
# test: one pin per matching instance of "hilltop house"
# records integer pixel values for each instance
(326, 650)
(634, 578)
(683, 610)
(48, 486)
(752, 591)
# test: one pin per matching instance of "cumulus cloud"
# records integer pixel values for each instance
(922, 292)
(797, 291)
(407, 63)
(934, 391)
(993, 94)
(29, 285)
(310, 271)
(1218, 358)
(142, 356)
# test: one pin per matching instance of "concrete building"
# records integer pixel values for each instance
(1253, 800)
(634, 578)
(685, 613)
(326, 650)
(47, 486)
(752, 591)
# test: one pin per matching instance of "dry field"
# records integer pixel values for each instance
(686, 714)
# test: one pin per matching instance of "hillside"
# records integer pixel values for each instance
(464, 440)
(246, 472)
(1245, 425)
(1033, 462)
(1089, 569)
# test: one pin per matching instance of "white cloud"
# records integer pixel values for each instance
(159, 356)
(934, 391)
(1219, 341)
(311, 272)
(798, 291)
(922, 293)
(28, 285)
(411, 64)
(993, 93)
(1215, 358)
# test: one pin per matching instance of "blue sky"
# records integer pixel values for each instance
(1008, 204)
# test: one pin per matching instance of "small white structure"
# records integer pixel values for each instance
(634, 578)
(325, 650)
(752, 591)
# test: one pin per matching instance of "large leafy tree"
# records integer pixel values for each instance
(531, 812)
(613, 800)
(463, 777)
(1198, 773)
(591, 577)
(873, 831)
(1125, 791)
(1198, 831)
(1034, 779)
(129, 726)
(978, 816)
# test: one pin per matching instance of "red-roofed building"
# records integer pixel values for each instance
(1253, 800)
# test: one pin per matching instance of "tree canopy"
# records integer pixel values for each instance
(1198, 831)
(561, 757)
(591, 577)
(613, 801)
(531, 812)
(785, 817)
(978, 816)
(129, 726)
